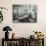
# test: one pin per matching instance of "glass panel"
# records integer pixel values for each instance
(23, 43)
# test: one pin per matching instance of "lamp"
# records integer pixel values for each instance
(7, 28)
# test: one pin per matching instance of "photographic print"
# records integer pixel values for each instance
(24, 13)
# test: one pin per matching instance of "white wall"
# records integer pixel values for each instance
(23, 29)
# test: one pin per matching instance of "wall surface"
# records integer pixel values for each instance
(23, 29)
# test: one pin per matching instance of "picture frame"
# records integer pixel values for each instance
(24, 13)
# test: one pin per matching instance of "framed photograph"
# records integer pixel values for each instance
(24, 13)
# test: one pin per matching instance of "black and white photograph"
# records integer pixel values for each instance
(24, 13)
